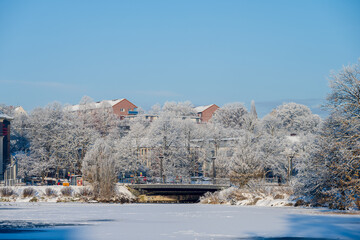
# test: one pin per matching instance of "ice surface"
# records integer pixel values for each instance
(175, 221)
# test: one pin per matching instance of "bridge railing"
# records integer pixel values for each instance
(178, 180)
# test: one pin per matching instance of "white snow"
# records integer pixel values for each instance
(41, 196)
(178, 221)
(202, 108)
(4, 116)
(95, 105)
(269, 196)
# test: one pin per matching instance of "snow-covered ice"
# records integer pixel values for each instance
(172, 221)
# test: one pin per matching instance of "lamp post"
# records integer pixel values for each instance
(213, 165)
(291, 156)
(161, 169)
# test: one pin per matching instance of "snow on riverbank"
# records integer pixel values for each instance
(270, 196)
(273, 196)
(56, 193)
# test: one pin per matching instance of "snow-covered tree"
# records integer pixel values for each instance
(231, 115)
(20, 141)
(282, 135)
(28, 166)
(246, 163)
(179, 109)
(128, 147)
(47, 132)
(291, 118)
(99, 168)
(79, 138)
(165, 134)
(345, 95)
(155, 109)
(332, 175)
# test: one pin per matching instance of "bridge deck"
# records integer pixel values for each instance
(177, 189)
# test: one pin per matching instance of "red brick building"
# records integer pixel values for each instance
(205, 113)
(4, 142)
(120, 107)
(123, 107)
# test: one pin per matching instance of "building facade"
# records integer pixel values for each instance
(120, 107)
(124, 108)
(205, 113)
(4, 143)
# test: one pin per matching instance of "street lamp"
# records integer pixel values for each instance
(213, 165)
(291, 156)
(161, 168)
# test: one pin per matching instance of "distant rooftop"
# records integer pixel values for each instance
(202, 108)
(94, 105)
(5, 116)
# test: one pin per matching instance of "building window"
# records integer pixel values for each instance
(122, 110)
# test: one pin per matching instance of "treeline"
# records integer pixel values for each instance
(318, 158)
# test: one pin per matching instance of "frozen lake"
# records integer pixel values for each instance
(170, 221)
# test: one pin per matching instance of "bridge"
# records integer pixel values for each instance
(180, 193)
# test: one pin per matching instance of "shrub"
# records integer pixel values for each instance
(237, 196)
(86, 192)
(49, 192)
(28, 192)
(123, 198)
(299, 202)
(254, 201)
(34, 199)
(279, 196)
(210, 198)
(7, 192)
(67, 191)
(357, 203)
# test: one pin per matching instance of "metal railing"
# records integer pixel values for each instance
(177, 180)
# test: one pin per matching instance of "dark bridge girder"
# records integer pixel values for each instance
(181, 192)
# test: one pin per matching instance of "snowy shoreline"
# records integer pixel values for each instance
(229, 196)
(60, 193)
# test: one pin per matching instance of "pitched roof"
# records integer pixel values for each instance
(104, 103)
(202, 108)
(5, 116)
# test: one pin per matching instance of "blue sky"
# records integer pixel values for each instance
(156, 51)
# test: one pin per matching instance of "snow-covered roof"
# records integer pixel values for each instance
(202, 108)
(104, 103)
(5, 116)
